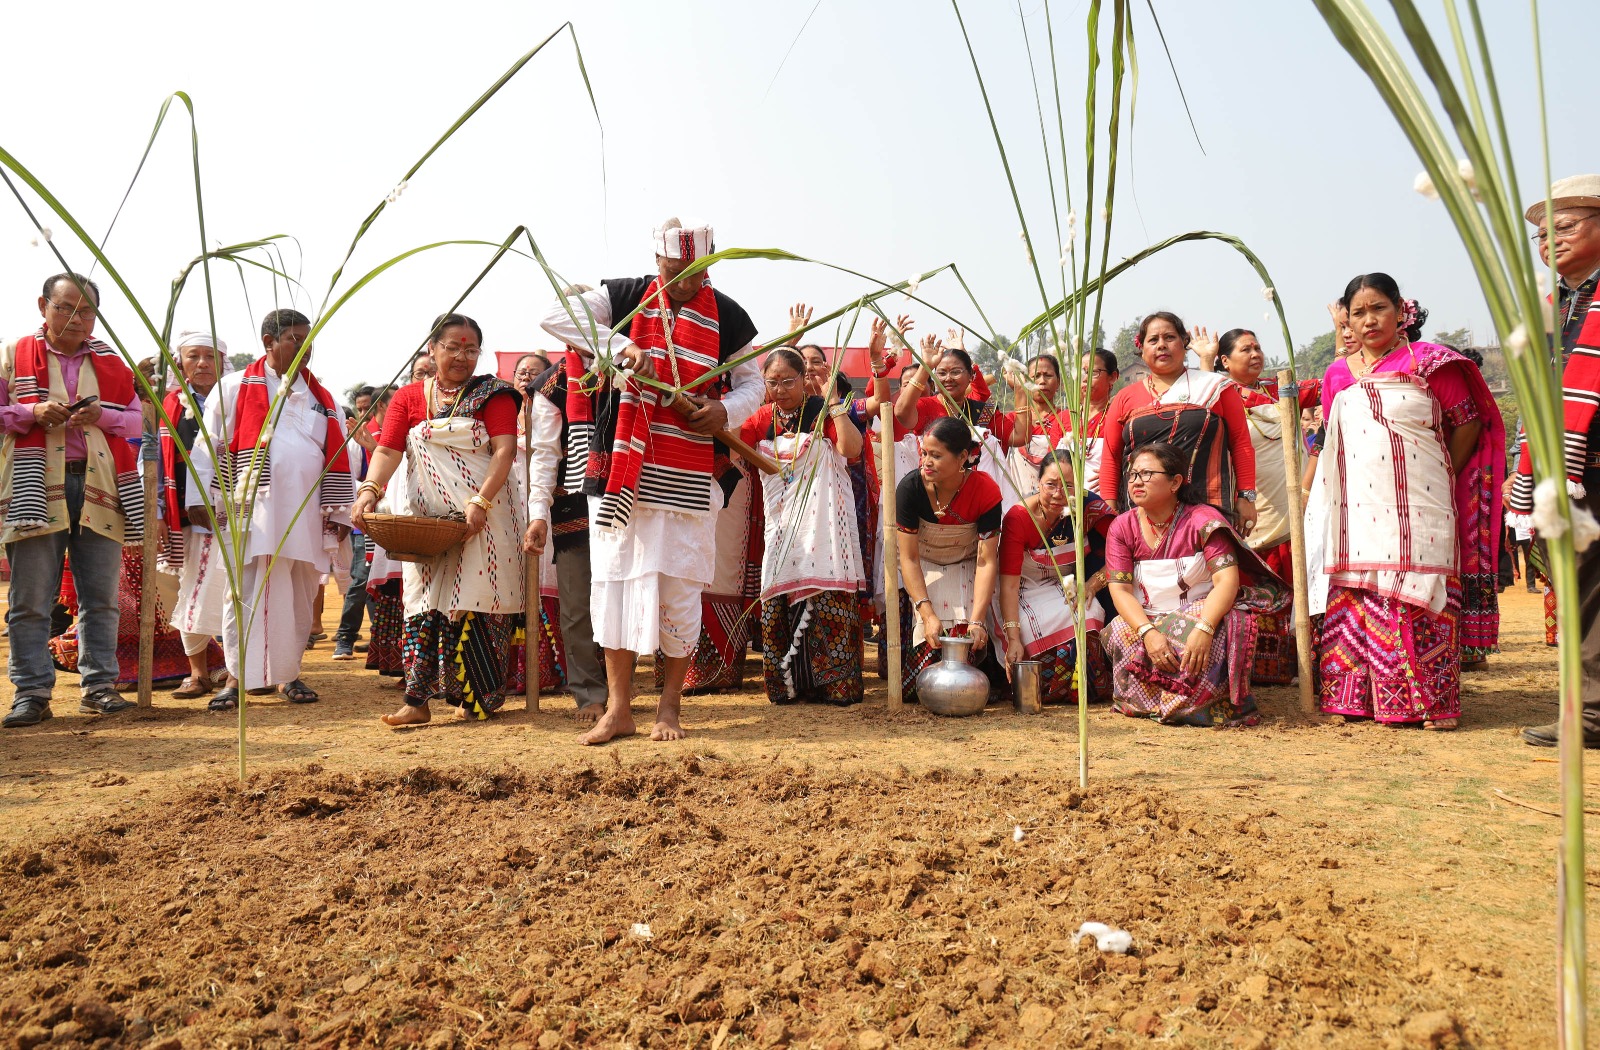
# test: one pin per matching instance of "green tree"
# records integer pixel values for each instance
(1313, 358)
(1123, 346)
(240, 361)
(1456, 337)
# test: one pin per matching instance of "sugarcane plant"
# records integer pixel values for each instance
(235, 500)
(1468, 164)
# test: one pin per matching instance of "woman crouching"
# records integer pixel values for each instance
(1186, 589)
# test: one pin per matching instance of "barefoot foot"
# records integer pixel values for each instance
(616, 722)
(408, 715)
(1441, 725)
(667, 728)
(589, 714)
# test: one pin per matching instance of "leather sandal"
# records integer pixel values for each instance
(297, 692)
(192, 688)
(226, 700)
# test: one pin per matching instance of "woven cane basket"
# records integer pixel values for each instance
(414, 537)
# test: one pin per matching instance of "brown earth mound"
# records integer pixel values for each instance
(775, 906)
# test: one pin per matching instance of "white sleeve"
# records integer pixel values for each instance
(569, 321)
(545, 438)
(205, 467)
(748, 389)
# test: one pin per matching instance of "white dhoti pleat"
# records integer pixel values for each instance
(646, 613)
(202, 589)
(277, 607)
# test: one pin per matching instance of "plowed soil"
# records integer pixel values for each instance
(784, 877)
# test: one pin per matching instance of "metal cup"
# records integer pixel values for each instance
(1025, 687)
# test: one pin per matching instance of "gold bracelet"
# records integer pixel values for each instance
(1201, 625)
(480, 501)
(370, 486)
(1010, 624)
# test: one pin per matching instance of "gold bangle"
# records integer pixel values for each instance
(1201, 625)
(369, 486)
(480, 501)
(1010, 624)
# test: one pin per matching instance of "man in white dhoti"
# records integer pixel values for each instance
(271, 466)
(652, 498)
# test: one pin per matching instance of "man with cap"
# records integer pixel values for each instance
(652, 496)
(1572, 232)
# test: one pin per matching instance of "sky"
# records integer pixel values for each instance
(861, 141)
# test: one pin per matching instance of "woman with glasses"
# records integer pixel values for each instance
(811, 568)
(457, 434)
(1197, 412)
(1414, 460)
(1038, 585)
(1187, 592)
(949, 517)
(1238, 355)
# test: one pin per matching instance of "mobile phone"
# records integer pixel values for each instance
(84, 403)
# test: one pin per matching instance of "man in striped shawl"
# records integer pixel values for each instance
(69, 485)
(649, 476)
(288, 473)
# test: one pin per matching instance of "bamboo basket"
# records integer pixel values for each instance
(414, 537)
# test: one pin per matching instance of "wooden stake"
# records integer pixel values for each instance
(147, 582)
(891, 559)
(1289, 418)
(530, 577)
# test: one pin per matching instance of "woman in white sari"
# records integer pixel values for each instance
(811, 570)
(457, 435)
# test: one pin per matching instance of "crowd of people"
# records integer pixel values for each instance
(688, 500)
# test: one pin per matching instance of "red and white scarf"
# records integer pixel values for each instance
(656, 460)
(34, 502)
(250, 417)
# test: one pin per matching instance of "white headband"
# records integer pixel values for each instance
(676, 242)
(197, 338)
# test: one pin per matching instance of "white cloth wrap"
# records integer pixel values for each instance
(1391, 522)
(812, 540)
(446, 462)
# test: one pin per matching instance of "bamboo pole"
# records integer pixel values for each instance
(891, 559)
(530, 576)
(147, 579)
(1289, 418)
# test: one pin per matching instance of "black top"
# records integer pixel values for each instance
(977, 502)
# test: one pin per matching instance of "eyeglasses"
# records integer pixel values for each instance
(1146, 475)
(782, 384)
(81, 310)
(469, 352)
(1562, 231)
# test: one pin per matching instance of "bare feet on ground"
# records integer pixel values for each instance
(408, 716)
(589, 714)
(616, 722)
(391, 683)
(667, 726)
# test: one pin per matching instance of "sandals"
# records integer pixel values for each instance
(192, 688)
(297, 692)
(226, 700)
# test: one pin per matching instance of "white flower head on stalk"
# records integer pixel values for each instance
(1269, 293)
(1547, 517)
(1105, 214)
(1469, 176)
(913, 283)
(1066, 261)
(1072, 220)
(1517, 341)
(394, 194)
(40, 238)
(1423, 184)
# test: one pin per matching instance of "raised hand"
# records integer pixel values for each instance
(799, 317)
(1205, 346)
(932, 350)
(956, 339)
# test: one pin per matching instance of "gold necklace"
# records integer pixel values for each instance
(933, 498)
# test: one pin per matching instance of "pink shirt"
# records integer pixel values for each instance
(125, 423)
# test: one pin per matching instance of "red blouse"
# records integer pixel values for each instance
(758, 427)
(932, 408)
(409, 407)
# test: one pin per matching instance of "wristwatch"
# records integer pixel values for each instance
(1248, 495)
